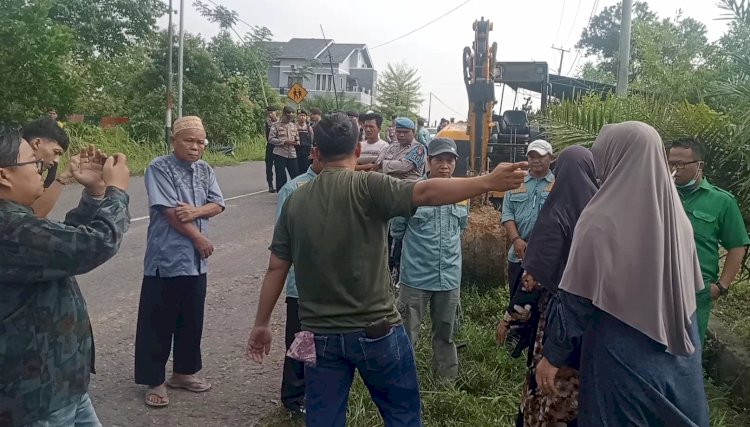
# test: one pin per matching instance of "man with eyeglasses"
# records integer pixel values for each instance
(716, 221)
(46, 343)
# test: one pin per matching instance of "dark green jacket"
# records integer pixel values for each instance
(46, 345)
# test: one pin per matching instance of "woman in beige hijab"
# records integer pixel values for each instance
(628, 294)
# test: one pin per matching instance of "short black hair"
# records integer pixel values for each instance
(10, 144)
(375, 116)
(336, 136)
(699, 150)
(288, 110)
(315, 110)
(46, 128)
(393, 117)
(420, 122)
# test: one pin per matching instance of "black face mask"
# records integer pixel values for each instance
(51, 176)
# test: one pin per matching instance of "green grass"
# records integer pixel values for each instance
(733, 310)
(140, 153)
(488, 390)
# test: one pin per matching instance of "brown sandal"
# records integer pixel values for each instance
(163, 398)
(196, 385)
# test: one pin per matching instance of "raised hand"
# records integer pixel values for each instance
(115, 172)
(87, 170)
(508, 176)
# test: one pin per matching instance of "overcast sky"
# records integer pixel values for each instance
(524, 31)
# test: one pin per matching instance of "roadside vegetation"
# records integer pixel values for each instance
(488, 390)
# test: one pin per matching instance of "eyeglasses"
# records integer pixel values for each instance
(681, 165)
(39, 165)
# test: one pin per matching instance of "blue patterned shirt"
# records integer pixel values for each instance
(169, 181)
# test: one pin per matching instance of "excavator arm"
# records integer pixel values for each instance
(479, 64)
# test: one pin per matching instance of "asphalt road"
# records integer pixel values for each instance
(242, 392)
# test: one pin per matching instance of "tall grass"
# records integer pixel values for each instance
(140, 153)
(489, 387)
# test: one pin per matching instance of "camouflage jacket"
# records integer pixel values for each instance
(46, 344)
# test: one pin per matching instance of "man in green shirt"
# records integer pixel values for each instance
(334, 230)
(716, 220)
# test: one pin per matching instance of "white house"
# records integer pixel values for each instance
(353, 72)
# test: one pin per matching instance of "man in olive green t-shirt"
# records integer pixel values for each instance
(334, 231)
(716, 221)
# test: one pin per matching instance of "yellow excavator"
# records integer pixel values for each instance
(484, 141)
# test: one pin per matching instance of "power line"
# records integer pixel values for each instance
(446, 105)
(423, 26)
(573, 25)
(559, 25)
(594, 7)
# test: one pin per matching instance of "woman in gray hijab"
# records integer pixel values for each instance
(628, 294)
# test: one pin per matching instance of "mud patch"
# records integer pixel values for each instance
(484, 247)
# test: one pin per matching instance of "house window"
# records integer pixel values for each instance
(323, 82)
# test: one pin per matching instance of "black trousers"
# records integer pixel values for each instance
(293, 377)
(282, 165)
(170, 313)
(269, 164)
(303, 159)
(515, 272)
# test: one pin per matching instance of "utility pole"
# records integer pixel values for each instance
(170, 46)
(624, 54)
(562, 55)
(180, 61)
(429, 110)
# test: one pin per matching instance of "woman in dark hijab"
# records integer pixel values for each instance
(546, 256)
(628, 294)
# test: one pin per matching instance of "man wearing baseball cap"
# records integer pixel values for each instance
(522, 205)
(431, 264)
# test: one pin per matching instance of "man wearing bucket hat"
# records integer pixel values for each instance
(431, 264)
(183, 194)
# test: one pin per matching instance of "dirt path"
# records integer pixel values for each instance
(242, 392)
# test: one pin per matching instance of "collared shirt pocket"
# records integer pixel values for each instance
(707, 225)
(423, 219)
(458, 218)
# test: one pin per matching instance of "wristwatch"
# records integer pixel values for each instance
(723, 291)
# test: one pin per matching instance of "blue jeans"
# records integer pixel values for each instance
(385, 364)
(78, 414)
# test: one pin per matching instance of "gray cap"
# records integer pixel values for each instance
(442, 145)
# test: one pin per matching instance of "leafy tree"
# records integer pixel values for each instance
(399, 90)
(668, 56)
(35, 61)
(602, 37)
(107, 27)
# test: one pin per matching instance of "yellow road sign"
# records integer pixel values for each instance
(297, 93)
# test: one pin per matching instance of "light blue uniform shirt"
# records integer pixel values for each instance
(523, 204)
(286, 191)
(169, 181)
(431, 251)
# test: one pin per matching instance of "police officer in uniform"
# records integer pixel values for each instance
(271, 119)
(403, 159)
(285, 138)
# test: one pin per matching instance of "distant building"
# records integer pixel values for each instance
(307, 61)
